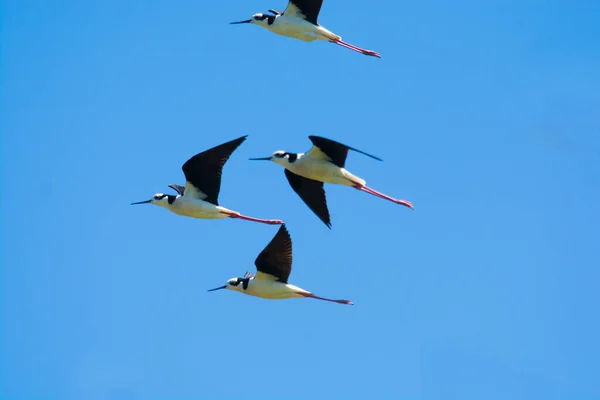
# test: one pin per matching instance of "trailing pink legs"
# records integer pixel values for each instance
(262, 221)
(383, 196)
(312, 296)
(358, 49)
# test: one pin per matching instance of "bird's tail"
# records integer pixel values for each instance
(354, 180)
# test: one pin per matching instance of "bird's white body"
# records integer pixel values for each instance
(273, 265)
(199, 197)
(323, 163)
(298, 28)
(317, 167)
(299, 21)
(268, 288)
(188, 206)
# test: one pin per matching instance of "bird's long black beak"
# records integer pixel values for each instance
(260, 159)
(219, 288)
(141, 202)
(241, 22)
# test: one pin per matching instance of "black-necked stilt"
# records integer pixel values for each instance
(273, 265)
(324, 163)
(299, 21)
(199, 197)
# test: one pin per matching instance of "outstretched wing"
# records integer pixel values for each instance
(333, 151)
(312, 193)
(304, 9)
(203, 171)
(276, 258)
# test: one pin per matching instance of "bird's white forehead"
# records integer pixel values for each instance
(279, 152)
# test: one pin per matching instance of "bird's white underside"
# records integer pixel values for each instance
(296, 27)
(269, 288)
(192, 204)
(316, 165)
(194, 208)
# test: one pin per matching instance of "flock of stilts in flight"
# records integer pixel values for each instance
(306, 173)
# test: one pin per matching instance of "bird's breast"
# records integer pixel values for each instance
(274, 290)
(322, 171)
(297, 28)
(196, 208)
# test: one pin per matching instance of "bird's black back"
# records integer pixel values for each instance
(276, 258)
(204, 170)
(310, 9)
(312, 194)
(336, 151)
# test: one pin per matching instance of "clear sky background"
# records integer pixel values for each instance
(487, 114)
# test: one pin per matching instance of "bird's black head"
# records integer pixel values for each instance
(280, 157)
(258, 19)
(233, 284)
(160, 199)
(234, 281)
(284, 157)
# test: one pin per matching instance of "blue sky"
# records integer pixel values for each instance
(486, 114)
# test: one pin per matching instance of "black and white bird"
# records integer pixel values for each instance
(273, 265)
(199, 197)
(324, 163)
(299, 21)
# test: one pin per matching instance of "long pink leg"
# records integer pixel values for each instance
(355, 48)
(312, 296)
(263, 221)
(383, 196)
(358, 49)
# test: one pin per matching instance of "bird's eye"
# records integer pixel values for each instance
(156, 197)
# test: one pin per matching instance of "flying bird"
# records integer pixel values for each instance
(299, 21)
(199, 197)
(324, 163)
(273, 265)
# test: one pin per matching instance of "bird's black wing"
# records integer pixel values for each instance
(336, 151)
(306, 9)
(178, 188)
(312, 193)
(203, 171)
(276, 258)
